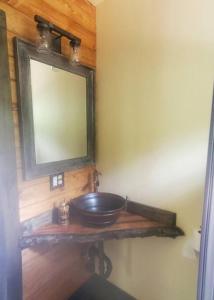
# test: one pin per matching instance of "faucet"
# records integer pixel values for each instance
(96, 181)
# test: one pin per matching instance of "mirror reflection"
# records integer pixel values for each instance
(59, 113)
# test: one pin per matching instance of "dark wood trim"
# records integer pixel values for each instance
(206, 270)
(153, 213)
(10, 252)
(25, 51)
(34, 240)
(30, 225)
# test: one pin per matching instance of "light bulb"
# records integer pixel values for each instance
(75, 52)
(44, 38)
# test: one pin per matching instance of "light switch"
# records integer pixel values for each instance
(56, 181)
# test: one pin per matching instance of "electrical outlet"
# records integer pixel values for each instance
(56, 181)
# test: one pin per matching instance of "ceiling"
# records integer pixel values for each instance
(95, 2)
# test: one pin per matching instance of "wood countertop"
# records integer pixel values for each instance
(129, 225)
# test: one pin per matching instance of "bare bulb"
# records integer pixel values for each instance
(75, 60)
(43, 41)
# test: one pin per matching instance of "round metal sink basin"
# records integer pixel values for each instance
(98, 209)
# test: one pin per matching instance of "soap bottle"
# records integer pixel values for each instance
(63, 213)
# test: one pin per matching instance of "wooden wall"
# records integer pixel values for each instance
(50, 272)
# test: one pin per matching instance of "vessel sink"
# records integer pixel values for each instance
(98, 209)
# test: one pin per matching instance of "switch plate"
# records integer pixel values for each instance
(56, 181)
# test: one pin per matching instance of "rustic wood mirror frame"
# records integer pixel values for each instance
(25, 51)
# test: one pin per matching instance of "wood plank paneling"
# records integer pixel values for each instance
(79, 14)
(21, 21)
(50, 273)
(65, 260)
(22, 25)
(35, 196)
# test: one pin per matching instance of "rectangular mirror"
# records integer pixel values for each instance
(57, 111)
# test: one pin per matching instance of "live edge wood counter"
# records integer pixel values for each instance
(138, 221)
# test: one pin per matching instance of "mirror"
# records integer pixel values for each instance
(57, 110)
(59, 113)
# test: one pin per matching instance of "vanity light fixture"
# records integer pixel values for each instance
(50, 37)
(44, 39)
(75, 45)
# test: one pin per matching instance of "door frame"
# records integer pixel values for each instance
(206, 261)
(10, 251)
